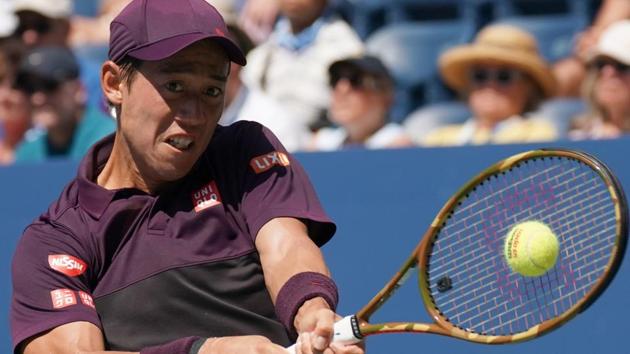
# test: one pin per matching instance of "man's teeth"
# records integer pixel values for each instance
(181, 143)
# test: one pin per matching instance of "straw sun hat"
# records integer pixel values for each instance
(497, 44)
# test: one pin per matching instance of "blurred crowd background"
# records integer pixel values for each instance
(327, 75)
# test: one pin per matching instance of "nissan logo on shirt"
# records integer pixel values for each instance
(68, 265)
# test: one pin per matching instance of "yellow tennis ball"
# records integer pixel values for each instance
(531, 248)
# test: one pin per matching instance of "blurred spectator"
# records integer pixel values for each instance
(287, 73)
(571, 71)
(14, 114)
(362, 95)
(235, 91)
(66, 127)
(503, 77)
(257, 18)
(43, 22)
(607, 87)
(8, 20)
(94, 31)
(46, 22)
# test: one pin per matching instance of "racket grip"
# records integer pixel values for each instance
(346, 331)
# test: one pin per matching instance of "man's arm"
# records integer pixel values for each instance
(75, 337)
(286, 250)
(86, 338)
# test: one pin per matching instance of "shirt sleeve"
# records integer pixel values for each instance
(276, 185)
(50, 273)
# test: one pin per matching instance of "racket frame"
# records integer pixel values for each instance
(420, 256)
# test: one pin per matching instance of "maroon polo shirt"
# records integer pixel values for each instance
(149, 269)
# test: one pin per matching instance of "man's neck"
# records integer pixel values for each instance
(121, 171)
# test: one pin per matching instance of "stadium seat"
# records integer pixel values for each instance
(560, 111)
(427, 118)
(555, 33)
(86, 8)
(410, 51)
(554, 23)
(365, 16)
(399, 11)
(508, 8)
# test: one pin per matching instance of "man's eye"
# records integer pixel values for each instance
(174, 86)
(213, 91)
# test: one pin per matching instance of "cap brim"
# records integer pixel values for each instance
(619, 55)
(360, 64)
(167, 47)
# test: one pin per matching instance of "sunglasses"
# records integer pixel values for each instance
(358, 81)
(30, 84)
(619, 67)
(503, 77)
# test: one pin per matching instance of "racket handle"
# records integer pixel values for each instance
(346, 331)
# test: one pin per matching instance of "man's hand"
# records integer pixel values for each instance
(314, 322)
(241, 344)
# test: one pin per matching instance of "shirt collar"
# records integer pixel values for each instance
(93, 198)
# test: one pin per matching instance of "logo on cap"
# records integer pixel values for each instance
(206, 197)
(68, 265)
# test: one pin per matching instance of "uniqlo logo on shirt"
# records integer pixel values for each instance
(63, 298)
(206, 197)
(86, 299)
(263, 163)
(68, 265)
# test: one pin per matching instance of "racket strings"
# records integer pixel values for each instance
(603, 205)
(487, 297)
(459, 302)
(488, 198)
(478, 318)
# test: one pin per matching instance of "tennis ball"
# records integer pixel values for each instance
(531, 248)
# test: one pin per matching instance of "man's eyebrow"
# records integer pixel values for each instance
(185, 68)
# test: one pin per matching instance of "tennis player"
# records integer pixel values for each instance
(177, 235)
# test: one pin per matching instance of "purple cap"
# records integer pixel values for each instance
(157, 29)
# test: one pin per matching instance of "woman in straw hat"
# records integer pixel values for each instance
(503, 78)
(606, 88)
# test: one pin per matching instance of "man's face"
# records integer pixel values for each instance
(497, 92)
(612, 88)
(359, 99)
(58, 108)
(302, 10)
(170, 110)
(35, 29)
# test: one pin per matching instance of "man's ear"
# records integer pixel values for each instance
(111, 82)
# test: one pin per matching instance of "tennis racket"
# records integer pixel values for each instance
(467, 287)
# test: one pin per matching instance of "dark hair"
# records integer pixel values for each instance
(128, 67)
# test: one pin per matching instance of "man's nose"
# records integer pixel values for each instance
(192, 110)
